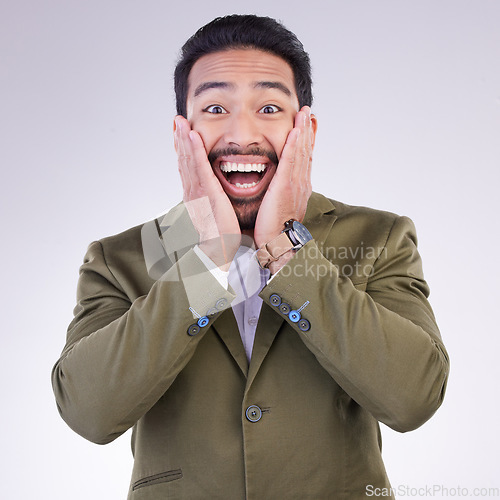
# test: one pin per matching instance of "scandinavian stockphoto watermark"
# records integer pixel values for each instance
(319, 261)
(432, 491)
(166, 240)
(173, 235)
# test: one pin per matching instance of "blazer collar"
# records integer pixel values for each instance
(319, 217)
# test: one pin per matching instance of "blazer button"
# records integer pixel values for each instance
(294, 316)
(221, 304)
(203, 321)
(253, 413)
(212, 312)
(304, 325)
(193, 330)
(285, 308)
(275, 299)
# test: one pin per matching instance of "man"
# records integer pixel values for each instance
(252, 373)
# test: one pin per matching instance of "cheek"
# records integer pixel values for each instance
(277, 133)
(278, 141)
(207, 133)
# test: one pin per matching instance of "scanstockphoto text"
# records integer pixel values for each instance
(432, 490)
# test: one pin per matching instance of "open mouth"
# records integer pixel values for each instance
(243, 175)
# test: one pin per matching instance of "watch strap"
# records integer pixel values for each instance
(273, 250)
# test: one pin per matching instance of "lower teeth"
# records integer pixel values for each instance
(245, 185)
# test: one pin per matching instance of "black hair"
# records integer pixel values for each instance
(244, 31)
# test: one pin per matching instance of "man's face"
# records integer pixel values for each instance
(243, 103)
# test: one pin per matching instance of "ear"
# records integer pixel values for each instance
(175, 137)
(314, 126)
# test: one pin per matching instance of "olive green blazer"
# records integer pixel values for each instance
(301, 420)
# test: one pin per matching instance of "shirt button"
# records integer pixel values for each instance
(253, 413)
(253, 321)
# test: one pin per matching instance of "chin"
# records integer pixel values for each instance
(246, 210)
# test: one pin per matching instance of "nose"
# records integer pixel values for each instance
(243, 130)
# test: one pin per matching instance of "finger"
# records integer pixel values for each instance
(194, 162)
(302, 166)
(182, 157)
(205, 176)
(308, 157)
(193, 152)
(301, 175)
(288, 155)
(308, 139)
(199, 156)
(301, 152)
(297, 164)
(192, 156)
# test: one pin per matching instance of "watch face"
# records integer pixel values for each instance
(301, 233)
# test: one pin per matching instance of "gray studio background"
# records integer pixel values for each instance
(407, 95)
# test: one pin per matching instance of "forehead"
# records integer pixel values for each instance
(240, 67)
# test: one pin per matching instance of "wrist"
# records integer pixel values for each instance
(221, 250)
(262, 240)
(293, 237)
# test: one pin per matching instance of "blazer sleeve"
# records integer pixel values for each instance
(121, 354)
(380, 344)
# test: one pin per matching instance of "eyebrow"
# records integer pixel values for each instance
(226, 85)
(274, 85)
(211, 85)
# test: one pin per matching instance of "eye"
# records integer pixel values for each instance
(269, 108)
(215, 109)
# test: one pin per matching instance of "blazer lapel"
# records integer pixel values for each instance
(227, 329)
(319, 218)
(267, 328)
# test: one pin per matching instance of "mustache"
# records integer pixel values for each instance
(256, 151)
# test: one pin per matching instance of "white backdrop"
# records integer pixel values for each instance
(407, 95)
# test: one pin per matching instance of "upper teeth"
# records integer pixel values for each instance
(226, 166)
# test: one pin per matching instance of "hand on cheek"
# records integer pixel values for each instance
(208, 206)
(290, 189)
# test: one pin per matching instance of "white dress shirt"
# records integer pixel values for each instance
(247, 279)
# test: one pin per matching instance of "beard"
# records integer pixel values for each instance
(245, 208)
